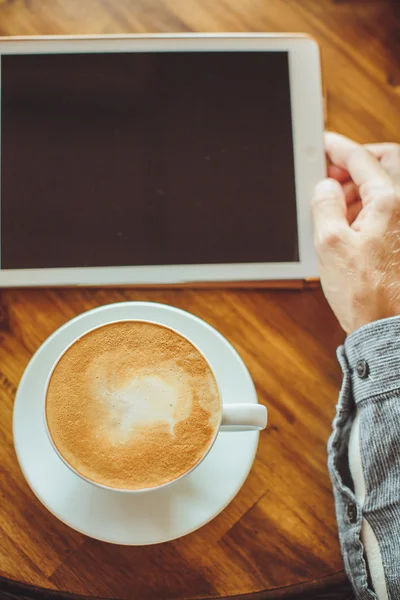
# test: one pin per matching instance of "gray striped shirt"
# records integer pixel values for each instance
(368, 420)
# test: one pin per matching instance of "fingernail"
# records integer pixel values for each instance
(327, 186)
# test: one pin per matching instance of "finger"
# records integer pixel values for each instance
(350, 156)
(380, 206)
(353, 211)
(372, 222)
(380, 150)
(339, 148)
(389, 155)
(335, 172)
(364, 168)
(358, 222)
(351, 193)
(329, 210)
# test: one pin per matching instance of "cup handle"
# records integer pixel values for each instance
(244, 417)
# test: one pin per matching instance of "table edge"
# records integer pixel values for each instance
(19, 589)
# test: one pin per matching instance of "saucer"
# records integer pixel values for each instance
(150, 517)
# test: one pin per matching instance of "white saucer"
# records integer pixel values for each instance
(150, 517)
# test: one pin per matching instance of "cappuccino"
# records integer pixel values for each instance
(132, 405)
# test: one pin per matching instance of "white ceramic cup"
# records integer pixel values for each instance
(233, 417)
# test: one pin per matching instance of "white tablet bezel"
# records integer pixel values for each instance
(307, 125)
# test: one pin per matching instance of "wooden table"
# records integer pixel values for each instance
(279, 534)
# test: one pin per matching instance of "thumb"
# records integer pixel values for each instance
(329, 209)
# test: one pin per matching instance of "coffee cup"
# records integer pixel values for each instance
(134, 405)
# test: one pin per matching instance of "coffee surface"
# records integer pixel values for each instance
(132, 405)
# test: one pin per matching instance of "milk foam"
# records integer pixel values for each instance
(144, 399)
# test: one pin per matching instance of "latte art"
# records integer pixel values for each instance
(141, 399)
(132, 405)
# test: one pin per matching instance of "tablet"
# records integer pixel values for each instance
(159, 159)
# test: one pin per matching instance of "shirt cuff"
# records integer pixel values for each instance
(373, 356)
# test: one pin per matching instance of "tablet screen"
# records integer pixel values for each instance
(146, 159)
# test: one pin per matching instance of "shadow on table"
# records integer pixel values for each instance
(338, 592)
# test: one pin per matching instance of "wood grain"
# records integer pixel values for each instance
(278, 538)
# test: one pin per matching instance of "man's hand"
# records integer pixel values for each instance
(357, 230)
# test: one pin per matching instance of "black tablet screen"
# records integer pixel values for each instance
(146, 159)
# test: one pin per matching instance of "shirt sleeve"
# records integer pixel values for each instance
(369, 401)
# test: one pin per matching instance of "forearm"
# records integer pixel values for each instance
(368, 497)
